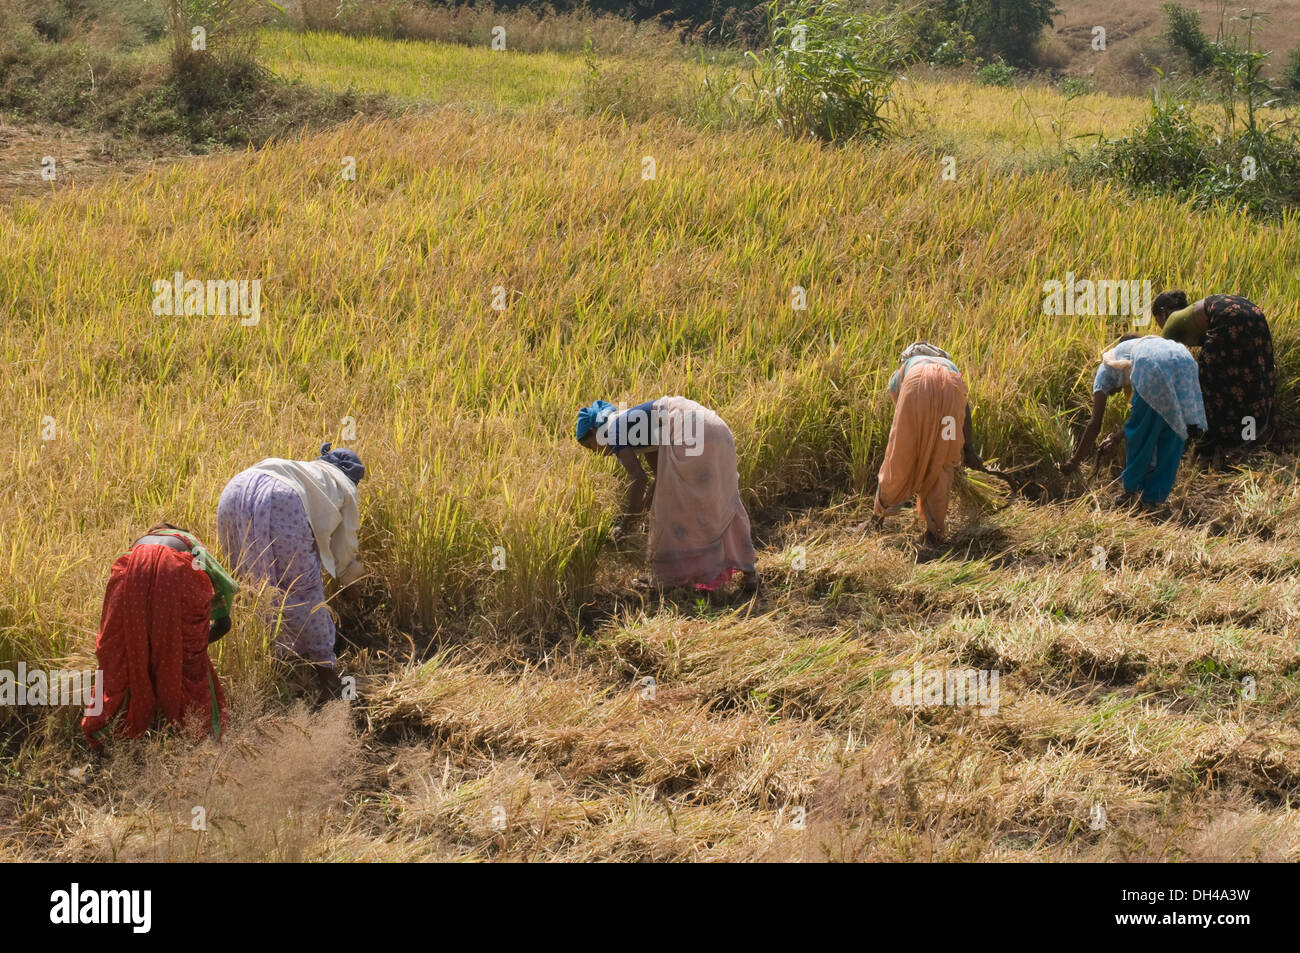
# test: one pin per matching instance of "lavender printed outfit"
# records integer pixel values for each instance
(261, 521)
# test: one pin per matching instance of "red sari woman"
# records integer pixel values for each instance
(167, 599)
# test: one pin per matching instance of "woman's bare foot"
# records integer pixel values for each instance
(648, 585)
(875, 524)
(749, 583)
(331, 686)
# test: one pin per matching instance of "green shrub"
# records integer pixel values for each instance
(1246, 161)
(996, 74)
(1185, 35)
(1291, 74)
(1003, 29)
(1072, 86)
(953, 32)
(950, 45)
(828, 72)
(933, 37)
(1167, 154)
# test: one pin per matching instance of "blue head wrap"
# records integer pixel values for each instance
(345, 460)
(592, 416)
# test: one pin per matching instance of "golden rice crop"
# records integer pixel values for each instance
(378, 305)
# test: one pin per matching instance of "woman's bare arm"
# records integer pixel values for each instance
(1088, 439)
(970, 457)
(635, 502)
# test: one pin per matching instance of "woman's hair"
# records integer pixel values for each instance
(1167, 302)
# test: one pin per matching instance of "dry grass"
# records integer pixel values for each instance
(770, 732)
(271, 791)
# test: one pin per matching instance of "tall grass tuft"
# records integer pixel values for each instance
(829, 70)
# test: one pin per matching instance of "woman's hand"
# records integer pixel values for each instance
(1088, 439)
(1109, 444)
(218, 628)
(352, 574)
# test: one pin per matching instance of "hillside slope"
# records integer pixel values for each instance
(1131, 28)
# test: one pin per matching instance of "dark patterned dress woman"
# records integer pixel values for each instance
(1236, 367)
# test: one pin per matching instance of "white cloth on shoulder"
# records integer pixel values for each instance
(329, 498)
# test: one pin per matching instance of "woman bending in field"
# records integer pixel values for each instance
(288, 522)
(699, 530)
(1236, 365)
(930, 437)
(1165, 410)
(167, 599)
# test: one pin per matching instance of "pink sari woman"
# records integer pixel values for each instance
(699, 530)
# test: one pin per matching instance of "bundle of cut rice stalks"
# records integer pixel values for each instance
(991, 489)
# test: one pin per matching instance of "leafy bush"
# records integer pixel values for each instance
(931, 37)
(1006, 29)
(952, 32)
(950, 45)
(1167, 154)
(1073, 86)
(828, 72)
(1291, 74)
(1246, 161)
(91, 79)
(1185, 35)
(996, 74)
(1009, 28)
